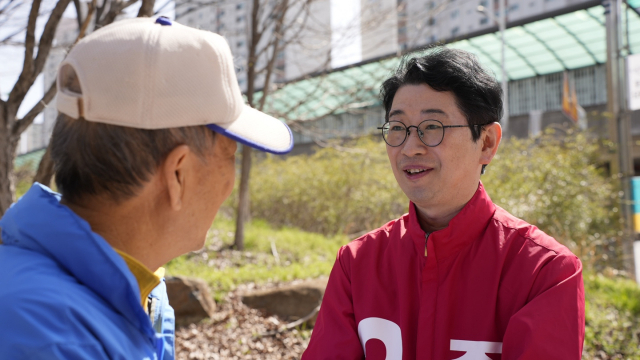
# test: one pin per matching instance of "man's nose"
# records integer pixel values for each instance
(413, 145)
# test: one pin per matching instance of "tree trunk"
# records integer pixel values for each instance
(243, 201)
(243, 193)
(45, 168)
(7, 176)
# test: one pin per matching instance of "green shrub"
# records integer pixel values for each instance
(329, 192)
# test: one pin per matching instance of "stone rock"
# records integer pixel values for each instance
(190, 299)
(290, 302)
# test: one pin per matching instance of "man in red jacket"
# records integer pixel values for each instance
(457, 277)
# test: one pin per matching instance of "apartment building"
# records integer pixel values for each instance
(422, 22)
(322, 35)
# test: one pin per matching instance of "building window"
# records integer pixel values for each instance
(484, 20)
(432, 21)
(239, 6)
(514, 7)
(455, 31)
(240, 18)
(240, 44)
(455, 14)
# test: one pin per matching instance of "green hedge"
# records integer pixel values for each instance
(329, 192)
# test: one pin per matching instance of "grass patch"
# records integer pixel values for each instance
(611, 314)
(301, 255)
(619, 292)
(224, 280)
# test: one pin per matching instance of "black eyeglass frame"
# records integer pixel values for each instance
(419, 132)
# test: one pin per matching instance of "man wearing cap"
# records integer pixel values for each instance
(457, 277)
(143, 151)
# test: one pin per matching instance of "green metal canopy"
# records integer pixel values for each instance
(551, 45)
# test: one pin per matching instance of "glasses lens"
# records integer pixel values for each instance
(394, 133)
(431, 131)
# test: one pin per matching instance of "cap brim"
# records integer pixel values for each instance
(258, 130)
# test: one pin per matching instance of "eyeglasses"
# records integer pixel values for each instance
(430, 132)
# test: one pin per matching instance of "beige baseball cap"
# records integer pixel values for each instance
(156, 74)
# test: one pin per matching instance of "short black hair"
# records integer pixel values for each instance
(477, 93)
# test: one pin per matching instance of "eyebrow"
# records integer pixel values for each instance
(424, 111)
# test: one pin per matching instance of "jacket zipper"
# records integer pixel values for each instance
(426, 238)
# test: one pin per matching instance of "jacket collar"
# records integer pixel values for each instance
(463, 229)
(39, 222)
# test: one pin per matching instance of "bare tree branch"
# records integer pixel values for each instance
(114, 10)
(32, 68)
(48, 35)
(23, 84)
(45, 168)
(146, 9)
(274, 55)
(76, 4)
(8, 9)
(7, 6)
(166, 3)
(100, 10)
(21, 125)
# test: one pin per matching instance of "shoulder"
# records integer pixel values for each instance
(47, 308)
(519, 232)
(375, 240)
(529, 252)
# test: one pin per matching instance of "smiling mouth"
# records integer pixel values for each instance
(415, 171)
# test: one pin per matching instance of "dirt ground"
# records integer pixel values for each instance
(238, 332)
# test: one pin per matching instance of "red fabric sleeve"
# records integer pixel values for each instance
(551, 325)
(335, 335)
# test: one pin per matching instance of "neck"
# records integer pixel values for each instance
(433, 217)
(127, 226)
(431, 221)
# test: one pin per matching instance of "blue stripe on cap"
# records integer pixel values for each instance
(164, 21)
(254, 145)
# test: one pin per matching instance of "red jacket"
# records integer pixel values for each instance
(491, 287)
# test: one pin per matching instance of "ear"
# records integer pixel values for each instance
(490, 138)
(174, 170)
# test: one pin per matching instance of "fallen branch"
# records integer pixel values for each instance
(292, 325)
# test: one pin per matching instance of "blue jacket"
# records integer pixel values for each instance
(66, 294)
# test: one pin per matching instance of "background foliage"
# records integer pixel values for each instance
(329, 192)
